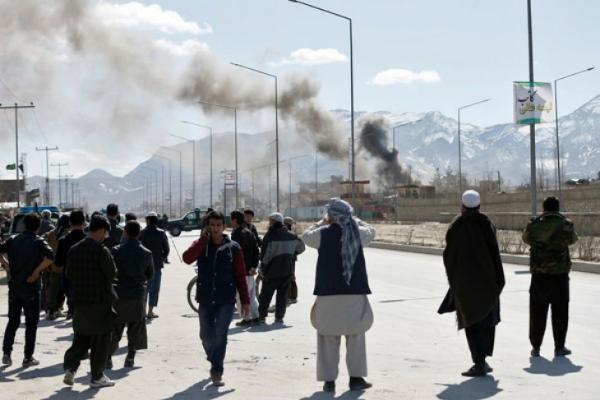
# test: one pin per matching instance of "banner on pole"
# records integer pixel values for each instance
(533, 103)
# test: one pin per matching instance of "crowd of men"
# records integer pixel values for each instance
(110, 278)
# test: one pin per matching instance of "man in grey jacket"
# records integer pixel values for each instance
(279, 249)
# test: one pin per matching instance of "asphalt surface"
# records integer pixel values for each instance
(413, 353)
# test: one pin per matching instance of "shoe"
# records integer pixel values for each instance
(217, 379)
(261, 321)
(102, 382)
(30, 362)
(475, 370)
(535, 352)
(50, 316)
(292, 301)
(69, 378)
(69, 315)
(562, 352)
(255, 321)
(109, 363)
(329, 386)
(244, 322)
(487, 368)
(58, 314)
(358, 384)
(129, 361)
(6, 360)
(279, 320)
(152, 315)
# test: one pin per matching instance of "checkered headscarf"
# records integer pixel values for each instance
(341, 211)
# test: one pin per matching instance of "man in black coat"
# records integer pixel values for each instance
(135, 268)
(247, 241)
(75, 235)
(90, 269)
(28, 255)
(248, 220)
(476, 277)
(155, 240)
(116, 232)
(277, 255)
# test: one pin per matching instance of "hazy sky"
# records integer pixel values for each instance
(409, 56)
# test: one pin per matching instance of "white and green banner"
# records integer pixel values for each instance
(533, 102)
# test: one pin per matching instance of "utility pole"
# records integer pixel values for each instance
(67, 189)
(16, 107)
(47, 149)
(59, 165)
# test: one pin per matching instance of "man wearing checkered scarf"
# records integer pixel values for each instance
(341, 286)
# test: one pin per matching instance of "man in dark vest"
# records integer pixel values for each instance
(135, 268)
(91, 270)
(549, 236)
(221, 271)
(341, 286)
(28, 256)
(476, 278)
(155, 239)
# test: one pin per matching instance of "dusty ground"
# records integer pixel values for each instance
(413, 353)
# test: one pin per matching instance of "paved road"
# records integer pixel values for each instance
(413, 353)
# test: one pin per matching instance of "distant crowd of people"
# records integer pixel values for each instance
(109, 278)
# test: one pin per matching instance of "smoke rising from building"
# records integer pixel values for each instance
(374, 140)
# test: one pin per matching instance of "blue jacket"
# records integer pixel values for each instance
(328, 279)
(221, 271)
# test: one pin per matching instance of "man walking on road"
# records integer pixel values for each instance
(549, 236)
(91, 270)
(279, 249)
(135, 268)
(155, 239)
(75, 235)
(46, 224)
(476, 278)
(247, 241)
(341, 286)
(28, 256)
(221, 271)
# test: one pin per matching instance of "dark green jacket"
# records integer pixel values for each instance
(550, 236)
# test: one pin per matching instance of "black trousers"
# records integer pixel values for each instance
(100, 351)
(269, 286)
(548, 290)
(481, 336)
(29, 303)
(137, 336)
(293, 293)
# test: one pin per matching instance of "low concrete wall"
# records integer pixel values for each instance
(580, 266)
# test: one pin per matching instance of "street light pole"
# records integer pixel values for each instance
(558, 173)
(193, 142)
(211, 155)
(180, 178)
(234, 109)
(533, 178)
(352, 161)
(276, 123)
(170, 187)
(460, 188)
